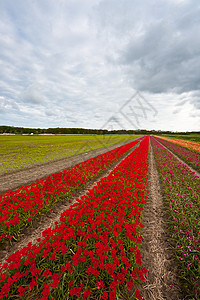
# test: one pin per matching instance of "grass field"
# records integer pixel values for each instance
(17, 152)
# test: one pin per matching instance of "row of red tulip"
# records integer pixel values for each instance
(93, 252)
(19, 208)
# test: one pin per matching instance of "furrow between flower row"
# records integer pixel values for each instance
(93, 252)
(19, 208)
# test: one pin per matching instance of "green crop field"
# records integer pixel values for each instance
(21, 151)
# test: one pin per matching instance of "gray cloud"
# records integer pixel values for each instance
(74, 61)
(164, 58)
(196, 102)
(158, 45)
(33, 95)
(182, 102)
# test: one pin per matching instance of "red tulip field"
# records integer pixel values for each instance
(18, 208)
(100, 246)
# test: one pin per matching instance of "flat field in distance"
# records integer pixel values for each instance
(21, 151)
(187, 137)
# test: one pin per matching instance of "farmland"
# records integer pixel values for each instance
(119, 240)
(19, 151)
(190, 157)
(20, 207)
(187, 144)
(186, 137)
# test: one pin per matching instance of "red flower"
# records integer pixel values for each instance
(105, 295)
(46, 273)
(45, 292)
(21, 290)
(137, 293)
(129, 285)
(86, 293)
(100, 284)
(32, 284)
(53, 256)
(71, 283)
(75, 291)
(56, 279)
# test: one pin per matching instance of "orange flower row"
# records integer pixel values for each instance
(187, 144)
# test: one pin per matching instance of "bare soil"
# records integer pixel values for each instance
(162, 279)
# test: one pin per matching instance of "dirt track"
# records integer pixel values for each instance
(162, 281)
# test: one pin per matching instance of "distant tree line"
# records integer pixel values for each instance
(58, 130)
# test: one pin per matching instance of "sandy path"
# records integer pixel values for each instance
(162, 282)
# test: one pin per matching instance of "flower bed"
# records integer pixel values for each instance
(93, 252)
(19, 208)
(187, 144)
(190, 157)
(181, 190)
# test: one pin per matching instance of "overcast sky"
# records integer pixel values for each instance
(80, 63)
